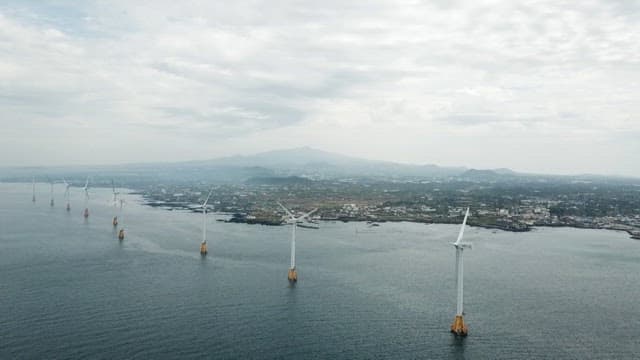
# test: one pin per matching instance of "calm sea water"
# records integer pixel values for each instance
(70, 289)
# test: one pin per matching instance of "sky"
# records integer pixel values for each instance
(535, 86)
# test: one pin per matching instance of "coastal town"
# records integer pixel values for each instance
(509, 206)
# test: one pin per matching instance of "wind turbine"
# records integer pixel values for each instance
(67, 194)
(115, 193)
(85, 213)
(293, 274)
(203, 245)
(121, 232)
(459, 327)
(115, 202)
(51, 202)
(33, 198)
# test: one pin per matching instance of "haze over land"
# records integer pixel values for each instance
(346, 188)
(547, 87)
(306, 164)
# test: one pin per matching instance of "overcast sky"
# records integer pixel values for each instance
(541, 86)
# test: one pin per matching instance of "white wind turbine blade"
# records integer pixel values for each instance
(207, 199)
(461, 233)
(287, 211)
(307, 214)
(86, 188)
(66, 188)
(113, 186)
(204, 220)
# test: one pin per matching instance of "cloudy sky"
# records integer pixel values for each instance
(542, 86)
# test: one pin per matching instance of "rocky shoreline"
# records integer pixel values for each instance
(241, 218)
(633, 234)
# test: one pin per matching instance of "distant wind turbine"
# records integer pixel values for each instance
(115, 202)
(115, 193)
(121, 232)
(293, 220)
(51, 202)
(203, 245)
(86, 199)
(33, 198)
(459, 327)
(67, 193)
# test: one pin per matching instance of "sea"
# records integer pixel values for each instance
(69, 289)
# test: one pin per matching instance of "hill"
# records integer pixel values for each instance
(302, 162)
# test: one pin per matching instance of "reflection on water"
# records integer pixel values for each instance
(457, 347)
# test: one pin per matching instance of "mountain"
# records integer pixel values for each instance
(488, 175)
(318, 164)
(287, 158)
(288, 166)
(302, 162)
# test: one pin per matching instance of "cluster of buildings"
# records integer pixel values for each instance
(393, 202)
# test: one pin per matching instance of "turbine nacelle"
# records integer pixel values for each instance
(292, 219)
(463, 245)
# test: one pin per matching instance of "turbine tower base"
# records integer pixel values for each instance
(459, 327)
(121, 234)
(203, 248)
(293, 275)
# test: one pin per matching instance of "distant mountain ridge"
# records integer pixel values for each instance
(320, 164)
(304, 162)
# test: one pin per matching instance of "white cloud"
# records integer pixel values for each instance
(483, 83)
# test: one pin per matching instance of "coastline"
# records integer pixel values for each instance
(632, 234)
(240, 218)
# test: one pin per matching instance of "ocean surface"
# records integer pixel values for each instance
(70, 290)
